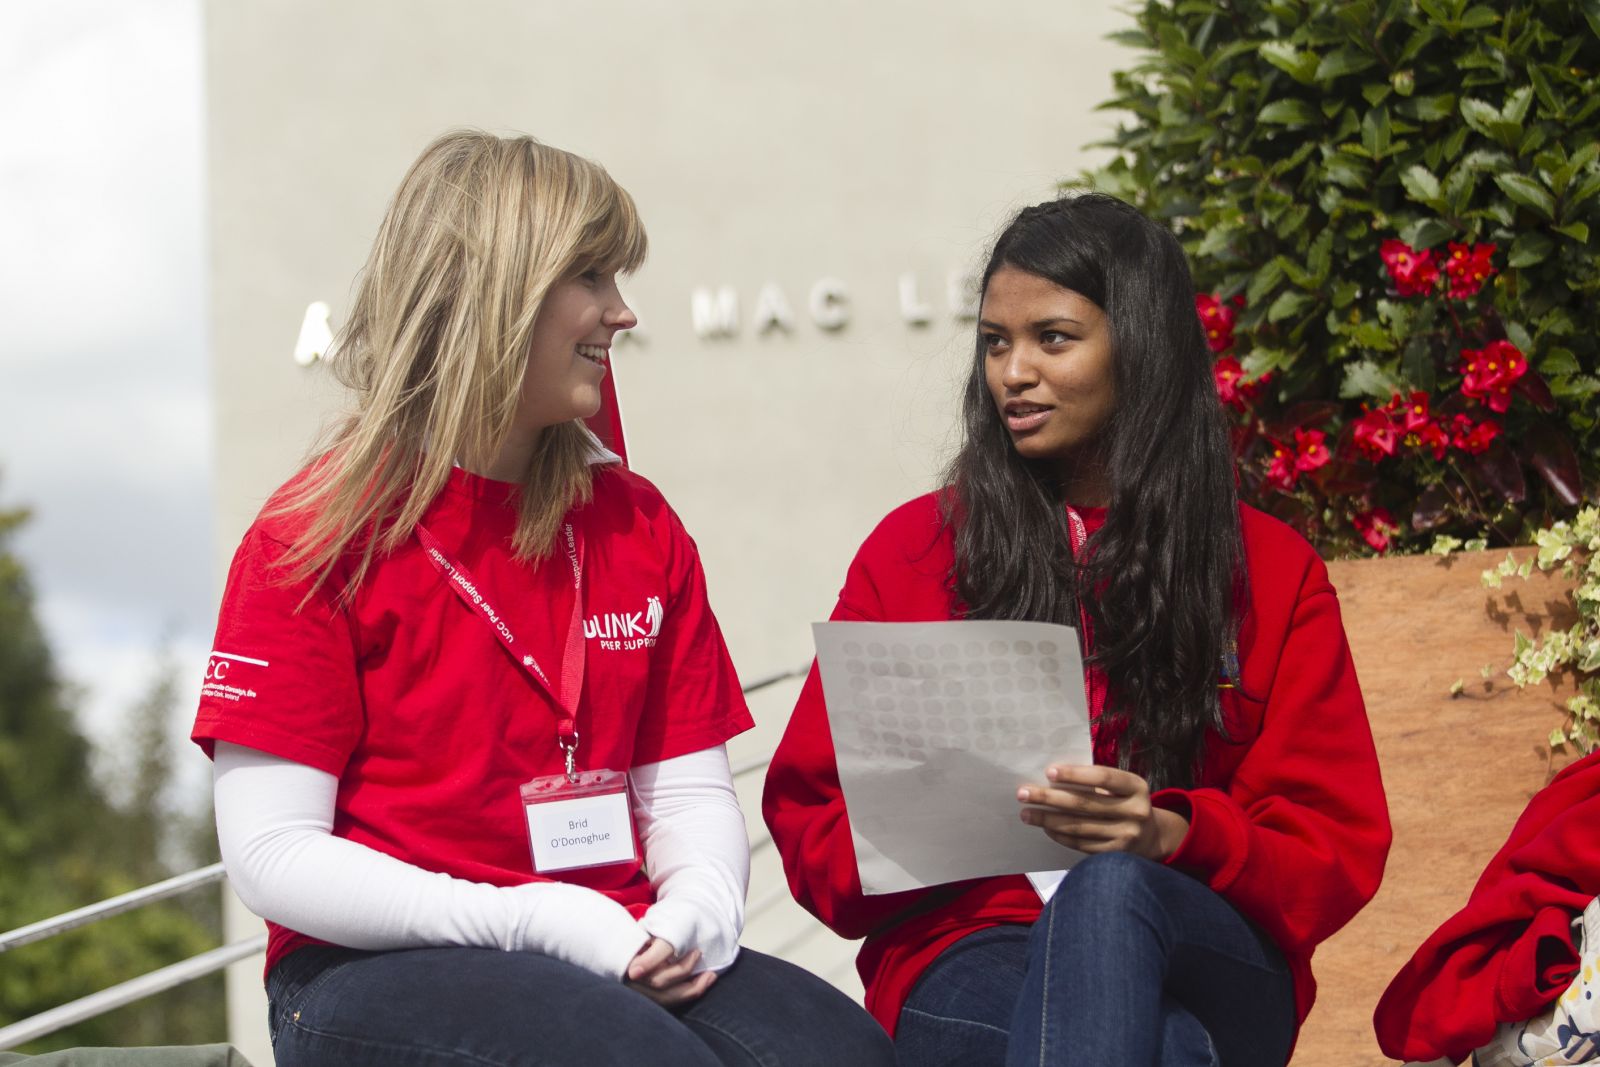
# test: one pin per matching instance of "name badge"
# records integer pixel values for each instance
(583, 823)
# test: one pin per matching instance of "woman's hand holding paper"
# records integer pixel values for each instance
(1101, 809)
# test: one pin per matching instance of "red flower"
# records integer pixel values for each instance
(1488, 373)
(1233, 388)
(1468, 267)
(1430, 437)
(1283, 470)
(1471, 438)
(1375, 526)
(1218, 319)
(1414, 272)
(1413, 412)
(1376, 434)
(1310, 451)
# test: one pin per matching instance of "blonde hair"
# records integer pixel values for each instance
(436, 344)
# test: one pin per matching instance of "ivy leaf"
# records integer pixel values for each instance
(1290, 112)
(1530, 248)
(1527, 192)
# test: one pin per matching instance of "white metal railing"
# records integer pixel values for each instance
(207, 963)
(71, 920)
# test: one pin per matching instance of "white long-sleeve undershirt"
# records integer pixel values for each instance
(275, 823)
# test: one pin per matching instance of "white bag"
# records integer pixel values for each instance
(1569, 1032)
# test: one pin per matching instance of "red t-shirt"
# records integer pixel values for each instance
(409, 698)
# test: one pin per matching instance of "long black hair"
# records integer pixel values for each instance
(1162, 581)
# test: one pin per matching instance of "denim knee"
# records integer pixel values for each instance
(1109, 876)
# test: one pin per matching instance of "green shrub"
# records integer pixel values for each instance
(1337, 170)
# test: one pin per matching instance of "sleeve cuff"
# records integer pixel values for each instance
(1538, 968)
(678, 923)
(1217, 841)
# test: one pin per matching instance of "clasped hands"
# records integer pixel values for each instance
(665, 977)
(1101, 809)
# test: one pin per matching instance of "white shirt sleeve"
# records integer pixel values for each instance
(696, 853)
(275, 826)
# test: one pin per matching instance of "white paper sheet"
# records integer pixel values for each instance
(935, 725)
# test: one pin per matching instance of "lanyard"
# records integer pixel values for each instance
(566, 697)
(1078, 535)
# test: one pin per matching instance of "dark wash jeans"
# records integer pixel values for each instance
(435, 1006)
(1131, 963)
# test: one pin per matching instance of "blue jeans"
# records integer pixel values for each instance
(436, 1006)
(1131, 963)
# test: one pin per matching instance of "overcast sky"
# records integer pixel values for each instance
(104, 424)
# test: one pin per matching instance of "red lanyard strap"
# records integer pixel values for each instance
(1078, 536)
(466, 587)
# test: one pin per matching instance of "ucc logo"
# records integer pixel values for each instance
(637, 628)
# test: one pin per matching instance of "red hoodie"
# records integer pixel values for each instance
(1288, 822)
(1508, 954)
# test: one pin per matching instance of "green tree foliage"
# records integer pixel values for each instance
(64, 844)
(1286, 141)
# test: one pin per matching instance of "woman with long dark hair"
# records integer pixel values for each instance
(1233, 817)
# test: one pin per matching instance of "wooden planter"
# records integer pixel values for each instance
(1458, 770)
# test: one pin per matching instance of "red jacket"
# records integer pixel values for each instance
(1508, 954)
(1288, 823)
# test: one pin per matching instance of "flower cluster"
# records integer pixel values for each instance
(1415, 273)
(1468, 267)
(1381, 432)
(1317, 463)
(1217, 318)
(1233, 388)
(1285, 464)
(1375, 527)
(1488, 373)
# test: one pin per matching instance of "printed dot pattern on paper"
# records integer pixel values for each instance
(910, 700)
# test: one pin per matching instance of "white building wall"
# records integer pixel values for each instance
(768, 145)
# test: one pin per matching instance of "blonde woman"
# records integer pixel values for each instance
(468, 703)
